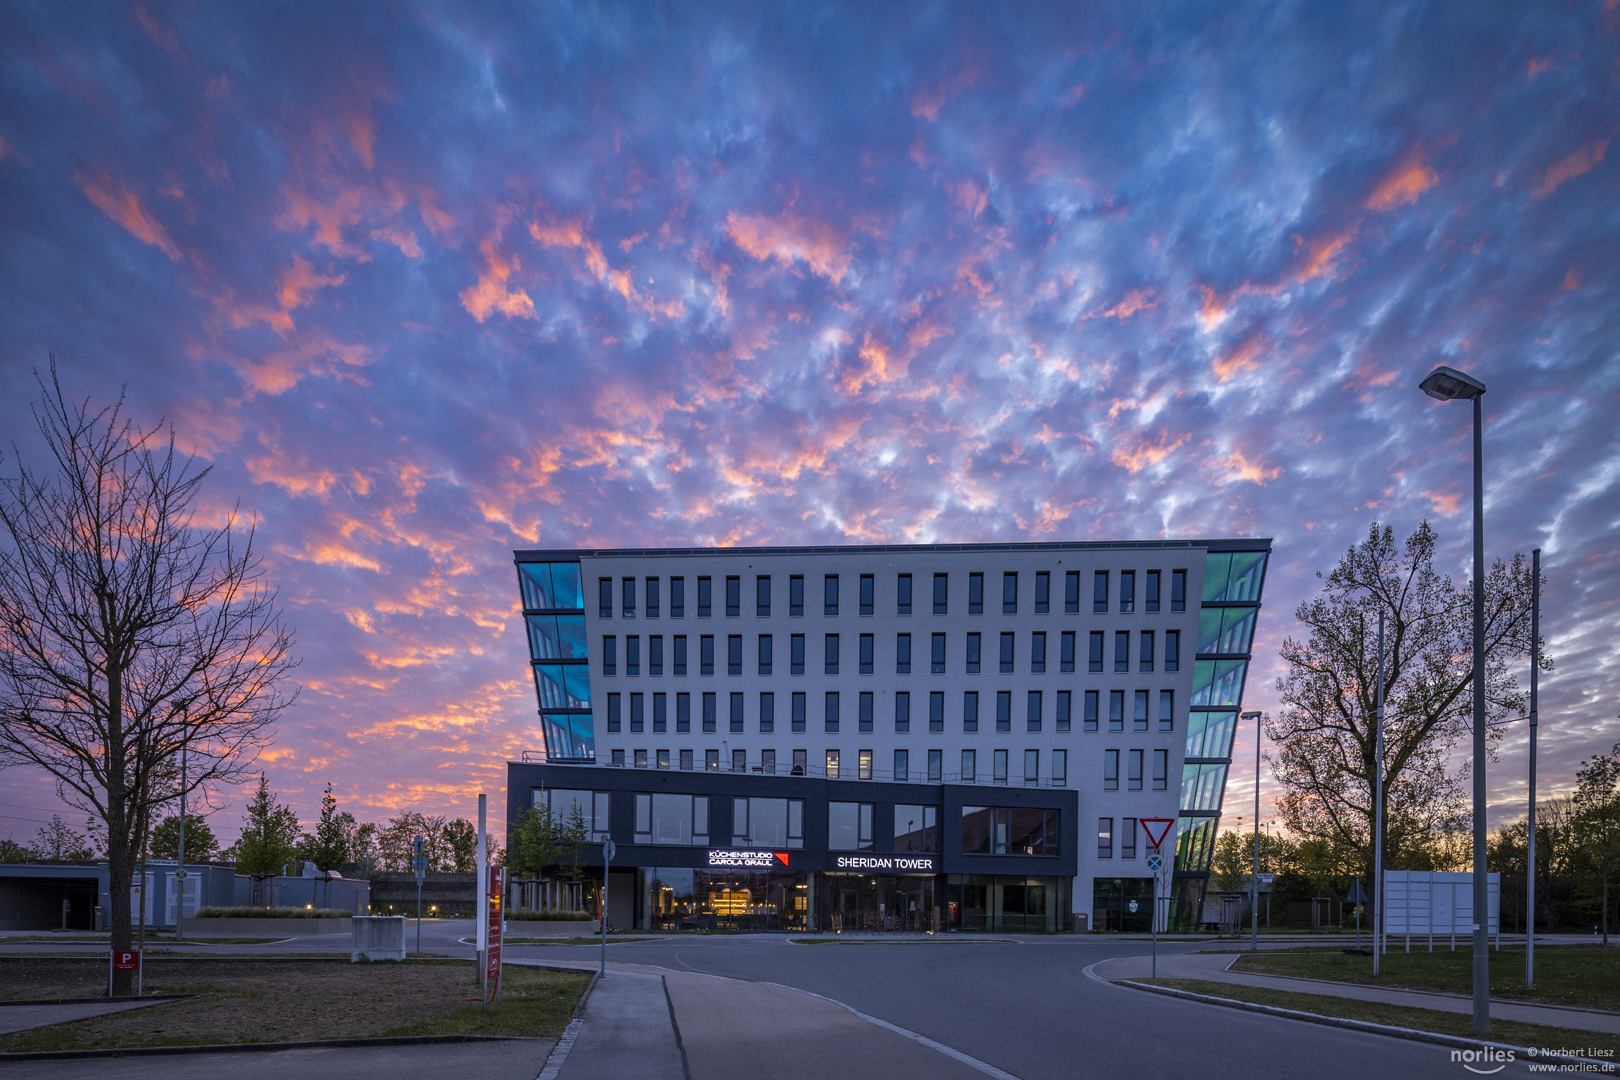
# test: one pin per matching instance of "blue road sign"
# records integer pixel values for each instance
(1155, 863)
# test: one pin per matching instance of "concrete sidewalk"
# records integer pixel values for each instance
(23, 1017)
(1213, 968)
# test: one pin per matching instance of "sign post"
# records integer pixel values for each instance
(493, 915)
(419, 864)
(124, 961)
(1157, 829)
(1358, 897)
(608, 851)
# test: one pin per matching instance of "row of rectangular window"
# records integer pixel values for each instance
(832, 764)
(1127, 838)
(1034, 714)
(1133, 775)
(765, 650)
(903, 594)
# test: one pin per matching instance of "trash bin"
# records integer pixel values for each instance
(99, 926)
(1079, 922)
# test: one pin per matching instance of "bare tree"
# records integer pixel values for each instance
(128, 630)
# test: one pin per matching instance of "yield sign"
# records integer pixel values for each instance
(1157, 828)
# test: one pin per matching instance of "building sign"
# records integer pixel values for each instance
(748, 860)
(904, 864)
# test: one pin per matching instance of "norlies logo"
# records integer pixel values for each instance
(1485, 1061)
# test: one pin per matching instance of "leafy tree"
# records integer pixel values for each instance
(461, 840)
(13, 852)
(1597, 821)
(395, 842)
(1233, 861)
(532, 845)
(269, 839)
(362, 843)
(127, 629)
(201, 845)
(58, 842)
(1325, 732)
(571, 844)
(329, 849)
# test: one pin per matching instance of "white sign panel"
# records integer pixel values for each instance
(1423, 902)
(748, 860)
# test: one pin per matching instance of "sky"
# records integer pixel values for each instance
(427, 283)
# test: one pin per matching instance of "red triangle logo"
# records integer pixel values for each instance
(781, 857)
(1157, 828)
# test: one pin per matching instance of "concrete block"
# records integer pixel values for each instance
(378, 937)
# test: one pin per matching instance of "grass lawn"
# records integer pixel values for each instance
(1591, 1043)
(246, 1001)
(1587, 977)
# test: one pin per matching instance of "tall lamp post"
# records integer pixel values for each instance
(1535, 673)
(1254, 879)
(1448, 384)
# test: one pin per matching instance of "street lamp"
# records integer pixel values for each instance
(1254, 879)
(1447, 384)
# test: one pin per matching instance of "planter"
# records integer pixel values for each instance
(265, 927)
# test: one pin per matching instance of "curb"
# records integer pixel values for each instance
(156, 999)
(227, 1048)
(1428, 993)
(1456, 1042)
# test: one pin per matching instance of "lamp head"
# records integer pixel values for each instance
(1446, 383)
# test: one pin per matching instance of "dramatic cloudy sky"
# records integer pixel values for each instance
(428, 282)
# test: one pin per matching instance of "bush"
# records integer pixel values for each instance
(249, 912)
(528, 915)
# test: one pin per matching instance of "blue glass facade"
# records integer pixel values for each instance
(554, 614)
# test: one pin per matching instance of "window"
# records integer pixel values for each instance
(1006, 652)
(973, 653)
(829, 588)
(661, 712)
(902, 654)
(998, 767)
(767, 823)
(975, 594)
(733, 596)
(618, 758)
(705, 597)
(680, 654)
(1127, 591)
(1161, 770)
(655, 655)
(796, 654)
(1071, 592)
(1122, 650)
(902, 711)
(610, 655)
(797, 719)
(1135, 775)
(1110, 770)
(1037, 652)
(1009, 830)
(652, 603)
(936, 662)
(1009, 593)
(1144, 654)
(1032, 717)
(1066, 651)
(1150, 598)
(864, 724)
(1105, 838)
(801, 762)
(936, 766)
(604, 598)
(706, 654)
(734, 654)
(1096, 657)
(736, 713)
(683, 713)
(1032, 768)
(830, 711)
(1139, 713)
(1063, 705)
(686, 755)
(936, 711)
(916, 828)
(762, 596)
(863, 764)
(767, 713)
(1167, 710)
(970, 711)
(1116, 710)
(632, 655)
(1060, 768)
(849, 825)
(796, 595)
(1090, 719)
(627, 607)
(1003, 710)
(709, 706)
(1178, 590)
(867, 649)
(613, 717)
(969, 767)
(868, 594)
(832, 764)
(941, 593)
(767, 763)
(1099, 591)
(829, 659)
(902, 601)
(764, 654)
(673, 819)
(1172, 650)
(592, 805)
(902, 766)
(677, 598)
(1043, 592)
(739, 761)
(1127, 838)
